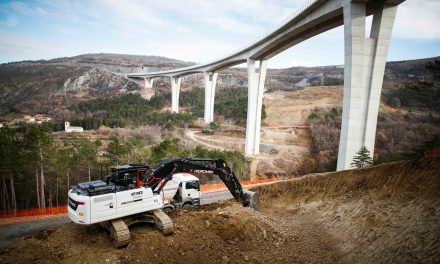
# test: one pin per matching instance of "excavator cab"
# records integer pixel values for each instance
(127, 176)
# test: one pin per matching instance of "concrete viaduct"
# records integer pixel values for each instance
(365, 59)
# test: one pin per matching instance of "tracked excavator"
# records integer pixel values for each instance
(136, 193)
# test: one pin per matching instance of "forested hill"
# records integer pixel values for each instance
(132, 110)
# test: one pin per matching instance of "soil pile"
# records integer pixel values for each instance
(384, 214)
(221, 233)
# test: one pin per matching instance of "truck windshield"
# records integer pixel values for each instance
(193, 185)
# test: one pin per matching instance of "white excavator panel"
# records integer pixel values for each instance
(83, 209)
(102, 207)
(137, 201)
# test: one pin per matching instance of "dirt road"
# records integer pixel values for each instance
(286, 143)
(192, 135)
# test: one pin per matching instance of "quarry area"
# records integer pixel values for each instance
(383, 214)
(286, 145)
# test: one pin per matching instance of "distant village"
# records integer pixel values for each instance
(39, 119)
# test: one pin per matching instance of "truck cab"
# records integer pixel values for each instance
(182, 191)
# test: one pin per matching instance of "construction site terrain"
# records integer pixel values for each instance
(383, 214)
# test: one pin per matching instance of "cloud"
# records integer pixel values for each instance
(26, 9)
(189, 50)
(196, 30)
(10, 21)
(20, 48)
(417, 19)
(237, 16)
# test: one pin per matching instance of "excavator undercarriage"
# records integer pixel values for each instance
(119, 228)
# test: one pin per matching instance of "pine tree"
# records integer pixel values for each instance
(39, 153)
(362, 158)
(8, 164)
(116, 151)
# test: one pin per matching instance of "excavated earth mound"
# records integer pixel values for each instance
(383, 214)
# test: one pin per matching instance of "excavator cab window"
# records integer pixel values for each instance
(130, 179)
(125, 178)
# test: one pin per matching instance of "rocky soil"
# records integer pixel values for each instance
(383, 214)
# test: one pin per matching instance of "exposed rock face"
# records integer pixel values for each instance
(50, 87)
(100, 81)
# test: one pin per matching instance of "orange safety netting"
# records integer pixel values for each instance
(245, 184)
(33, 212)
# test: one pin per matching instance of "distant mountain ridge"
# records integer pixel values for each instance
(52, 86)
(119, 63)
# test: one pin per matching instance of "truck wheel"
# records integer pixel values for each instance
(187, 206)
(168, 209)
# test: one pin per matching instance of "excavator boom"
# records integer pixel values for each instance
(166, 168)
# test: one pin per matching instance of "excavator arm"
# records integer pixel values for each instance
(163, 172)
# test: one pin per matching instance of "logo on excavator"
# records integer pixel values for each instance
(203, 171)
(136, 193)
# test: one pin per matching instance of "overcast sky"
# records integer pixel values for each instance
(189, 30)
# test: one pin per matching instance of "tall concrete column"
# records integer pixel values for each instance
(256, 78)
(175, 90)
(210, 81)
(149, 82)
(365, 60)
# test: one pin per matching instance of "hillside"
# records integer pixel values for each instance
(52, 86)
(383, 214)
(117, 63)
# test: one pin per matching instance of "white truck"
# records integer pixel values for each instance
(182, 191)
(137, 193)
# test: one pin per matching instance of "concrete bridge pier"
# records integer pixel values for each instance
(210, 82)
(256, 78)
(365, 60)
(149, 82)
(175, 90)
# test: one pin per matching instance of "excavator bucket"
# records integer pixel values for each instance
(253, 198)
